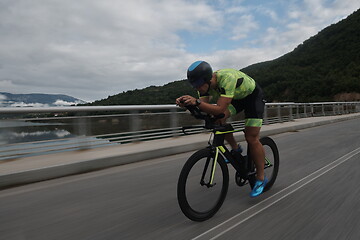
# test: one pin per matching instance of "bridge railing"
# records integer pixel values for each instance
(84, 127)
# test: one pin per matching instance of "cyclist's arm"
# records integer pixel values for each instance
(205, 99)
(219, 108)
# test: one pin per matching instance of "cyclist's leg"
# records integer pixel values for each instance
(254, 110)
(230, 136)
(252, 136)
(232, 110)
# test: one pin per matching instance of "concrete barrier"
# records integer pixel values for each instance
(39, 168)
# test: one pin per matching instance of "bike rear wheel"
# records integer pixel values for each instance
(271, 163)
(198, 199)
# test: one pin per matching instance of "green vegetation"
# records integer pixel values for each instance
(325, 67)
(150, 95)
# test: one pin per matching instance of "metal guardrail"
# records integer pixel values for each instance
(136, 117)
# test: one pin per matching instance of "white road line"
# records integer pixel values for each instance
(243, 216)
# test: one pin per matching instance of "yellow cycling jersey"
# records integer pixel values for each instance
(232, 83)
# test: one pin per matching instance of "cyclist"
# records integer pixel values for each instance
(233, 91)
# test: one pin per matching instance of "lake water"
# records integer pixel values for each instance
(23, 138)
(40, 136)
(18, 131)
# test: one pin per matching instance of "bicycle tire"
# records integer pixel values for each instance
(275, 160)
(272, 154)
(185, 187)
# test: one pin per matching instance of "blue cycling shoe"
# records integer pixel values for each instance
(259, 187)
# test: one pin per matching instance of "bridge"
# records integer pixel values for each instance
(315, 196)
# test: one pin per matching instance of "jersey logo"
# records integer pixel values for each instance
(239, 82)
(221, 91)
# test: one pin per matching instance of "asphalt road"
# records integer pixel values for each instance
(316, 196)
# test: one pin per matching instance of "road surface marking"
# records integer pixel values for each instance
(243, 216)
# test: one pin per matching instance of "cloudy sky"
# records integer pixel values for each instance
(91, 49)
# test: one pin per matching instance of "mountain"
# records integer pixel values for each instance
(36, 100)
(326, 67)
(151, 95)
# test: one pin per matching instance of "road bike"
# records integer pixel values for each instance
(204, 179)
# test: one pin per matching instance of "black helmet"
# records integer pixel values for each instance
(198, 73)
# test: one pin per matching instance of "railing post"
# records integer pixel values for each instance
(305, 115)
(174, 120)
(279, 113)
(291, 112)
(297, 110)
(83, 128)
(345, 107)
(135, 121)
(266, 121)
(81, 124)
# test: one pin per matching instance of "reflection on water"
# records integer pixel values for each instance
(8, 137)
(16, 131)
(21, 131)
(19, 138)
(58, 134)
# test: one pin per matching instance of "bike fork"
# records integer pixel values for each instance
(213, 167)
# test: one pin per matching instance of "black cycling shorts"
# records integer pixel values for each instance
(253, 106)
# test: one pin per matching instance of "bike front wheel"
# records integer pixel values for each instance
(202, 185)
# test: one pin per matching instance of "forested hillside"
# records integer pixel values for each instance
(325, 67)
(36, 99)
(151, 95)
(321, 69)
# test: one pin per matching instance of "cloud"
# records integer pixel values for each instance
(65, 103)
(300, 21)
(244, 25)
(2, 97)
(92, 49)
(22, 104)
(35, 104)
(79, 46)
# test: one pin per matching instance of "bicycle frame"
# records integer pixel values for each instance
(218, 146)
(218, 142)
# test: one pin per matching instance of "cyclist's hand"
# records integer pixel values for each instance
(180, 102)
(188, 100)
